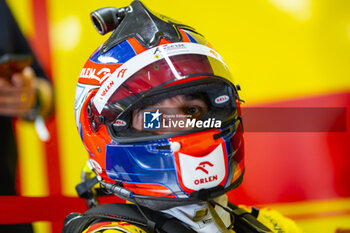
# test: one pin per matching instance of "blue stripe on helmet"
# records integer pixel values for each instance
(191, 38)
(119, 54)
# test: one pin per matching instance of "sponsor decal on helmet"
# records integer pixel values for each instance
(201, 166)
(121, 73)
(95, 165)
(206, 180)
(170, 49)
(174, 48)
(100, 76)
(106, 89)
(222, 99)
(119, 123)
(203, 172)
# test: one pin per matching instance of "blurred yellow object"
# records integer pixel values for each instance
(323, 216)
(22, 10)
(277, 222)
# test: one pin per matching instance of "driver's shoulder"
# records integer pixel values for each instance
(275, 221)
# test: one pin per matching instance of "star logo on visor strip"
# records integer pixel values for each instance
(156, 115)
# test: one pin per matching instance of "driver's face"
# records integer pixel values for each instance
(180, 107)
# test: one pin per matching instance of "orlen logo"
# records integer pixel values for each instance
(119, 123)
(107, 88)
(100, 76)
(202, 172)
(222, 99)
(201, 166)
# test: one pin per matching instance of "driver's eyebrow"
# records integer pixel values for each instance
(190, 97)
(196, 96)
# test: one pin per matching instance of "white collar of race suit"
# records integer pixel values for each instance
(193, 215)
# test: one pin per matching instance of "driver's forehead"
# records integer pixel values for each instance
(181, 100)
(175, 100)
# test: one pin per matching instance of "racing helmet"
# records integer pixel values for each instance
(157, 111)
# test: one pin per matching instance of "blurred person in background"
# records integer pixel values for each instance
(25, 92)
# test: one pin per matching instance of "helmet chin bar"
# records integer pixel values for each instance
(161, 203)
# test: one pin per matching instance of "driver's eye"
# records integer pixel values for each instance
(192, 110)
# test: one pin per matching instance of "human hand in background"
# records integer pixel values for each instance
(18, 94)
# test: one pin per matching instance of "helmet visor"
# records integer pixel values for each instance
(199, 105)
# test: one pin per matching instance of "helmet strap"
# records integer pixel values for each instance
(220, 224)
